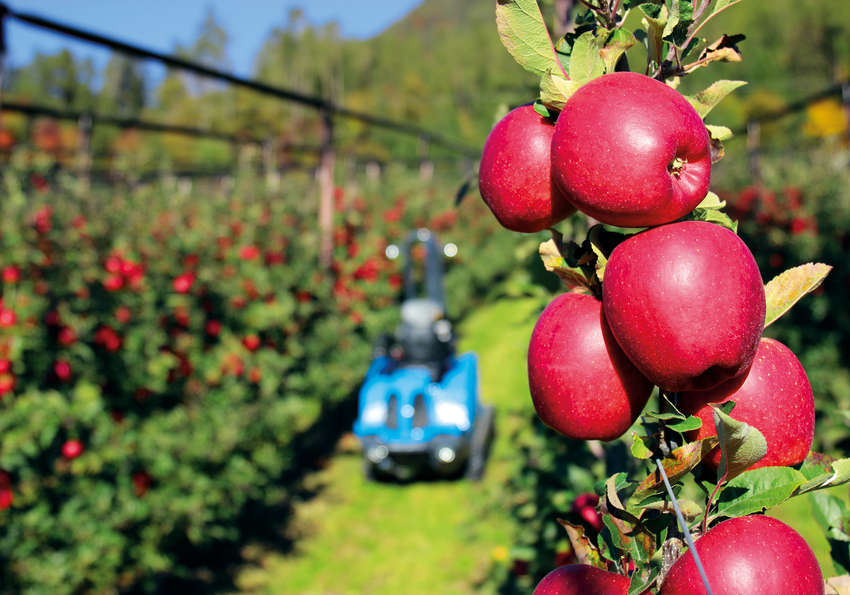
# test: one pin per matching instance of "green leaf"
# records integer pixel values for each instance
(643, 580)
(541, 109)
(629, 4)
(556, 89)
(719, 133)
(711, 201)
(715, 216)
(786, 289)
(681, 17)
(688, 425)
(711, 210)
(757, 490)
(836, 473)
(828, 510)
(523, 33)
(639, 449)
(619, 41)
(654, 26)
(708, 98)
(816, 464)
(721, 4)
(831, 514)
(585, 60)
(741, 445)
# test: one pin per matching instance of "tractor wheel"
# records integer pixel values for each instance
(479, 448)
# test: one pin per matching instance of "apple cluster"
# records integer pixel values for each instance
(682, 304)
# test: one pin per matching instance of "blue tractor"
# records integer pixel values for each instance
(419, 410)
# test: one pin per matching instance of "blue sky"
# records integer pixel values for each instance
(160, 24)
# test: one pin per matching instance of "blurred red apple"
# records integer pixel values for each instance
(581, 579)
(72, 448)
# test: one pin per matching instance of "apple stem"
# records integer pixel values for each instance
(683, 525)
(709, 504)
(676, 166)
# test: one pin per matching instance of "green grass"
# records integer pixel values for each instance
(434, 537)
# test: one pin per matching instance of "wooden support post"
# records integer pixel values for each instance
(325, 175)
(563, 21)
(754, 150)
(270, 164)
(84, 158)
(845, 100)
(426, 166)
(373, 171)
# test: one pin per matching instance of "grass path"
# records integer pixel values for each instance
(437, 537)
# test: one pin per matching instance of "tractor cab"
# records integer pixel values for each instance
(419, 410)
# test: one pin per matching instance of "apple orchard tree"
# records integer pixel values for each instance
(659, 331)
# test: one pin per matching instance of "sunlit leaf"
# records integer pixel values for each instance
(556, 89)
(708, 98)
(719, 133)
(619, 41)
(757, 490)
(523, 33)
(586, 60)
(786, 289)
(836, 473)
(741, 445)
(639, 449)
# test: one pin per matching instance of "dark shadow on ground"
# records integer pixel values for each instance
(212, 569)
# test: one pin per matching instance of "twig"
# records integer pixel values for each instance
(709, 504)
(702, 24)
(590, 5)
(615, 8)
(683, 526)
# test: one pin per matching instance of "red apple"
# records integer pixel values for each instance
(686, 304)
(72, 448)
(581, 579)
(251, 342)
(585, 506)
(514, 177)
(751, 554)
(775, 397)
(629, 150)
(62, 369)
(582, 384)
